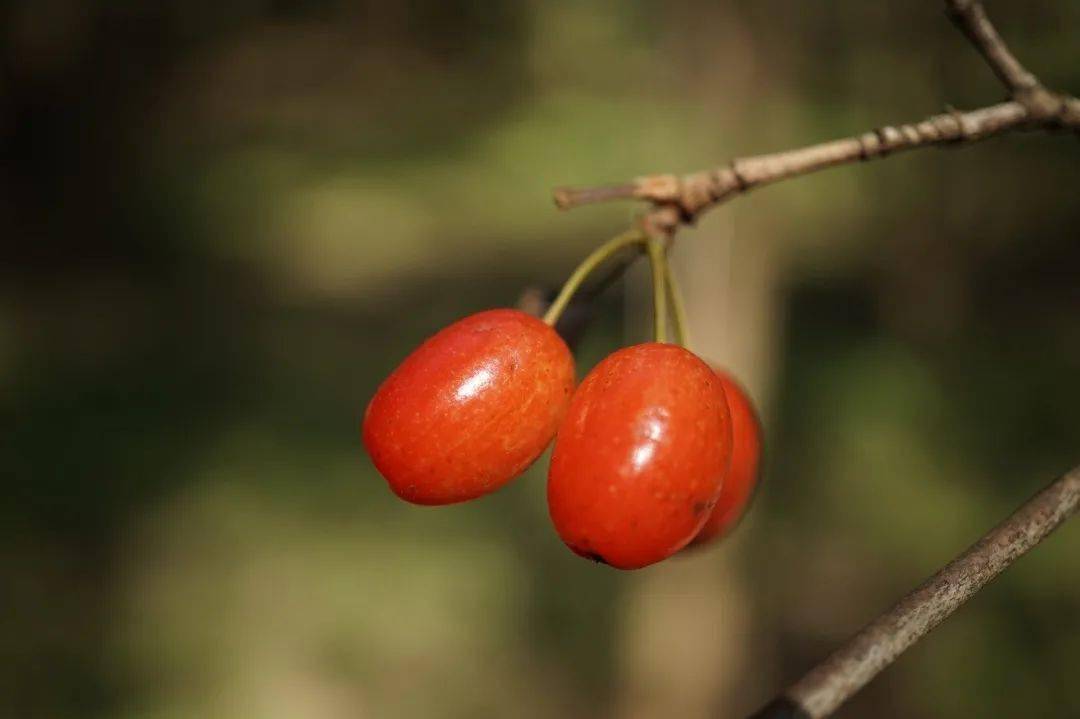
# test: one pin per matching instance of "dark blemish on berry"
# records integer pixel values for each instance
(700, 507)
(585, 550)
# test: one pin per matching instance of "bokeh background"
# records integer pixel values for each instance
(225, 222)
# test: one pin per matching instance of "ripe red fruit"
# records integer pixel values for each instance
(470, 408)
(745, 456)
(640, 457)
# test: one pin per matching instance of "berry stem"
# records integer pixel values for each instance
(660, 272)
(678, 307)
(596, 258)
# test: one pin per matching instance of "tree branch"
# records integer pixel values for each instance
(1032, 107)
(696, 192)
(847, 670)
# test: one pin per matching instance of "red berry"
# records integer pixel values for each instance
(640, 457)
(470, 408)
(745, 456)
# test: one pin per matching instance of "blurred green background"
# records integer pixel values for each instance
(225, 222)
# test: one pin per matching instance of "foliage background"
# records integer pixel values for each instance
(226, 222)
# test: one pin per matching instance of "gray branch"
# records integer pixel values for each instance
(828, 685)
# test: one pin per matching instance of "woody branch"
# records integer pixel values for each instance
(681, 199)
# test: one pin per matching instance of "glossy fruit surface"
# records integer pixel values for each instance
(745, 457)
(470, 408)
(640, 456)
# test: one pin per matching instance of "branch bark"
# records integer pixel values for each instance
(846, 671)
(696, 192)
(680, 200)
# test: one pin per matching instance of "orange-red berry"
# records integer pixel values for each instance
(742, 477)
(640, 456)
(471, 408)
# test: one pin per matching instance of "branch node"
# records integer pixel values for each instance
(869, 146)
(663, 220)
(658, 188)
(1042, 105)
(963, 131)
(1069, 117)
(741, 183)
(888, 138)
(697, 193)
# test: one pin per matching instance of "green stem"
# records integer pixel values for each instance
(682, 325)
(658, 259)
(590, 263)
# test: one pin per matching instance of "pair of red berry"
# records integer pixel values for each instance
(654, 450)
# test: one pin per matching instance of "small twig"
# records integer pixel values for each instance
(971, 18)
(847, 670)
(593, 194)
